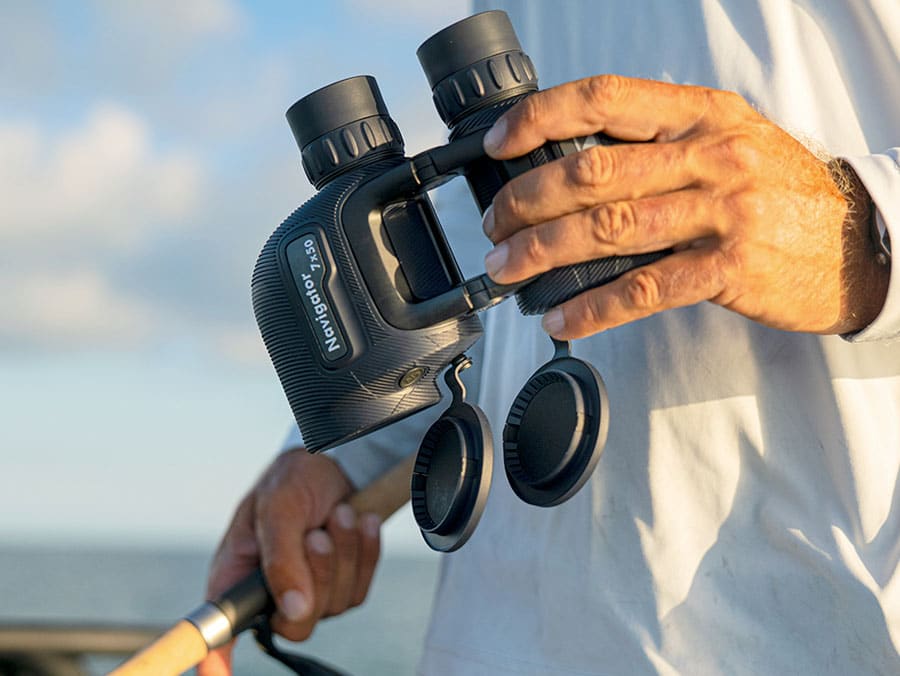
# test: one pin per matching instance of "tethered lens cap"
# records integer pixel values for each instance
(555, 431)
(452, 474)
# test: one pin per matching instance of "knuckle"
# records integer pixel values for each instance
(529, 110)
(644, 290)
(733, 259)
(744, 206)
(593, 166)
(533, 247)
(739, 153)
(507, 205)
(613, 222)
(589, 314)
(601, 90)
(730, 100)
(718, 270)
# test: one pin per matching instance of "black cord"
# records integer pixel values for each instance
(299, 664)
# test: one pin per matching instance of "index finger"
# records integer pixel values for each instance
(629, 109)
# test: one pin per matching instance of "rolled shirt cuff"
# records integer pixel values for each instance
(880, 174)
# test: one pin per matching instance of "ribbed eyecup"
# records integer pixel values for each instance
(475, 63)
(341, 126)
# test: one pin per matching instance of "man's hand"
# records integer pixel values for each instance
(317, 556)
(757, 222)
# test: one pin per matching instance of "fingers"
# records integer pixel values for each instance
(297, 626)
(342, 528)
(587, 178)
(357, 547)
(369, 551)
(613, 228)
(341, 562)
(283, 555)
(629, 109)
(681, 279)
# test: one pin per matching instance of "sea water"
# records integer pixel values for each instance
(144, 587)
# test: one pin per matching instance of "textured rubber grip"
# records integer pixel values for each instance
(559, 285)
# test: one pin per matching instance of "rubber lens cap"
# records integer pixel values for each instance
(551, 425)
(555, 432)
(452, 476)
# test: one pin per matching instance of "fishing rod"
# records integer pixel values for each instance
(215, 623)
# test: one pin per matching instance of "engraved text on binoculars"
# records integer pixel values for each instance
(316, 298)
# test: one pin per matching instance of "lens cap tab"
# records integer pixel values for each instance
(556, 429)
(452, 474)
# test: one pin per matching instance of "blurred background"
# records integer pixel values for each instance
(144, 160)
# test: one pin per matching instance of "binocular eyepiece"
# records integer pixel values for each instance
(470, 66)
(342, 127)
(475, 63)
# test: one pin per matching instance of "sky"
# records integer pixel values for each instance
(144, 160)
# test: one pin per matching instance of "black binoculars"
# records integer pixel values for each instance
(362, 306)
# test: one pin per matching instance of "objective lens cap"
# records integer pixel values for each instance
(335, 106)
(452, 476)
(466, 42)
(555, 432)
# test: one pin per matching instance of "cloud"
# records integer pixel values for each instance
(73, 206)
(434, 15)
(148, 183)
(98, 187)
(78, 308)
(28, 48)
(174, 19)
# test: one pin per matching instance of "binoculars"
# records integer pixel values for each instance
(362, 306)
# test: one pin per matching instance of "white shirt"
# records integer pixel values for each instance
(745, 517)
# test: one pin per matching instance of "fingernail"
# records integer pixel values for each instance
(487, 221)
(495, 136)
(371, 523)
(345, 516)
(496, 259)
(319, 542)
(554, 321)
(294, 605)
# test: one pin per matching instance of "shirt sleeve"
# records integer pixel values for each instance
(880, 174)
(365, 459)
